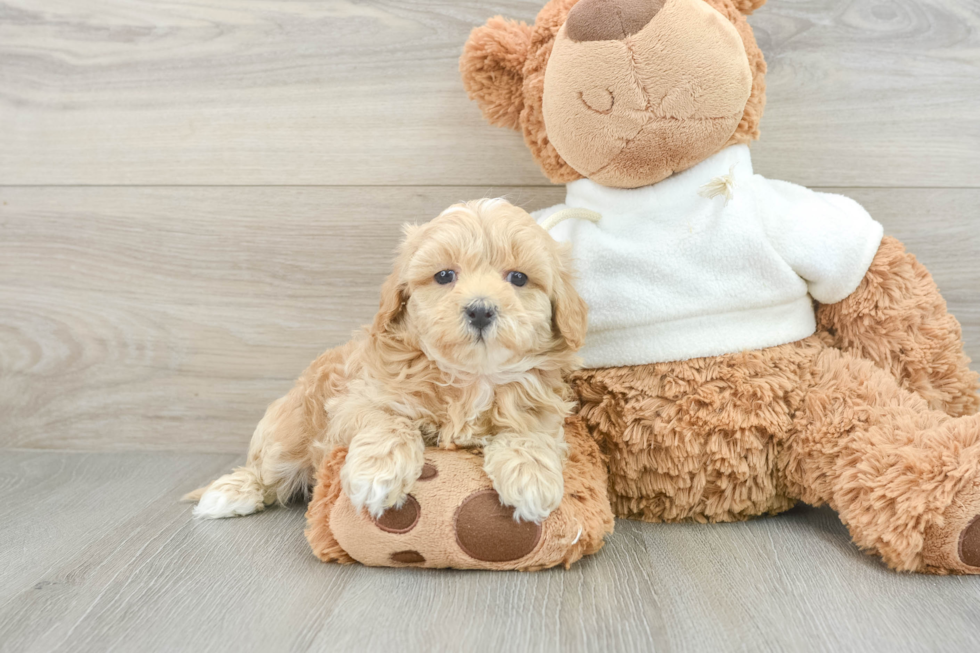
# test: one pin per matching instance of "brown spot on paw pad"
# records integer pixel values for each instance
(407, 557)
(429, 471)
(486, 530)
(400, 520)
(970, 543)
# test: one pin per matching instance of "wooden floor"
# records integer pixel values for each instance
(198, 197)
(95, 555)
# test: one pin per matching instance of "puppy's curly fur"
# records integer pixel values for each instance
(423, 374)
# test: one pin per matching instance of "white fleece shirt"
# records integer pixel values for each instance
(670, 274)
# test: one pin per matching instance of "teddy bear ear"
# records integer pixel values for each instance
(748, 6)
(491, 66)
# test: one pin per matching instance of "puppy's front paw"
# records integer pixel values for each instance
(379, 479)
(529, 480)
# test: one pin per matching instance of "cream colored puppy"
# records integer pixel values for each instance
(478, 324)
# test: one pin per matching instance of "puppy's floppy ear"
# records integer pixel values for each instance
(393, 298)
(569, 309)
(491, 66)
(748, 6)
(394, 291)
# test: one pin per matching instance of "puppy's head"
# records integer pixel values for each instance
(483, 289)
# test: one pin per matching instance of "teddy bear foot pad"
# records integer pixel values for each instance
(453, 517)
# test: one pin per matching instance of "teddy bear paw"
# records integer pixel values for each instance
(954, 546)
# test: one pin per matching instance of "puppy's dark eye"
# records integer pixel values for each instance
(445, 276)
(517, 278)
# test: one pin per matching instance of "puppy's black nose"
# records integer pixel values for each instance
(480, 315)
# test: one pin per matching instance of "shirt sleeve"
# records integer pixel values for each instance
(829, 240)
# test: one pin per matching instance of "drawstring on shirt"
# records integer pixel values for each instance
(570, 214)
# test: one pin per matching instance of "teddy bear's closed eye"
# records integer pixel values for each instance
(600, 100)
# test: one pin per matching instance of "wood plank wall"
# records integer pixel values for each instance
(196, 198)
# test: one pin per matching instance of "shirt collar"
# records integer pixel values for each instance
(679, 189)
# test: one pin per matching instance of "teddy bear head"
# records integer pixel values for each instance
(624, 92)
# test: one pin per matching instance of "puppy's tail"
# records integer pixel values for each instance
(238, 493)
(195, 495)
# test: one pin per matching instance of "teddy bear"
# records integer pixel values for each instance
(751, 343)
(454, 518)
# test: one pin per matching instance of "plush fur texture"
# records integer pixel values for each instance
(339, 533)
(422, 374)
(503, 68)
(875, 415)
(730, 437)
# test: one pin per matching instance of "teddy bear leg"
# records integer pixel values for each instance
(687, 440)
(897, 319)
(904, 478)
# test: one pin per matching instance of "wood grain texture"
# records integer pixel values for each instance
(169, 318)
(96, 555)
(139, 317)
(861, 93)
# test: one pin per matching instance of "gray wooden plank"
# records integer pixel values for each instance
(796, 582)
(97, 555)
(850, 82)
(67, 503)
(168, 318)
(338, 92)
(105, 592)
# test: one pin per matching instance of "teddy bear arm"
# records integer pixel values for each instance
(454, 518)
(898, 319)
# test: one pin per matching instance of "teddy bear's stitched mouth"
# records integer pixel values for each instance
(650, 120)
(733, 116)
(626, 143)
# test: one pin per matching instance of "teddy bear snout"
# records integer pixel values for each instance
(609, 20)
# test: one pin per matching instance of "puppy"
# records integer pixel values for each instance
(478, 324)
